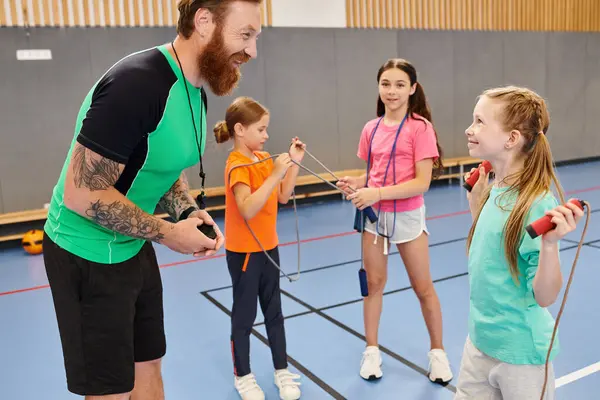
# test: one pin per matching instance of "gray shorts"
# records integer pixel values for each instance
(485, 378)
(408, 226)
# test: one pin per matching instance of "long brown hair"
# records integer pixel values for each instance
(525, 111)
(243, 110)
(417, 102)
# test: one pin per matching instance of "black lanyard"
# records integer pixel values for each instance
(200, 197)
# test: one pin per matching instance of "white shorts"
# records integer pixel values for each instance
(483, 377)
(408, 226)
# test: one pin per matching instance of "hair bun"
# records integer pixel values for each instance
(221, 132)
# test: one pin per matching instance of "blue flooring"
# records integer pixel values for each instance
(326, 346)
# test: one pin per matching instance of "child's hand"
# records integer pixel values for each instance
(348, 183)
(566, 218)
(364, 197)
(480, 186)
(297, 150)
(281, 165)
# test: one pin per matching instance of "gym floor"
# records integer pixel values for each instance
(323, 311)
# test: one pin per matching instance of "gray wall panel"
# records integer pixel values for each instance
(301, 91)
(590, 145)
(435, 71)
(104, 53)
(520, 68)
(48, 95)
(1, 197)
(12, 105)
(318, 83)
(478, 65)
(359, 55)
(565, 85)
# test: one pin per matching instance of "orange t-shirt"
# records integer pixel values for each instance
(264, 224)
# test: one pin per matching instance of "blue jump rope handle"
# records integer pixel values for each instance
(370, 214)
(362, 273)
(362, 277)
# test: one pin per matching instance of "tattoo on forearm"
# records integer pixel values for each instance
(93, 172)
(177, 199)
(125, 219)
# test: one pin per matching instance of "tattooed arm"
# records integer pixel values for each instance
(178, 198)
(89, 191)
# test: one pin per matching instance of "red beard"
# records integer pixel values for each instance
(217, 66)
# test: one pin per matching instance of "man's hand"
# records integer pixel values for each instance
(207, 219)
(185, 237)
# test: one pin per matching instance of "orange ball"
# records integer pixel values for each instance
(32, 241)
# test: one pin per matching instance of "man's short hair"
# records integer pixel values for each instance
(188, 8)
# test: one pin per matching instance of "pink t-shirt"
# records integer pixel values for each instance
(416, 142)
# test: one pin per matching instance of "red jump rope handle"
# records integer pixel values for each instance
(469, 183)
(545, 224)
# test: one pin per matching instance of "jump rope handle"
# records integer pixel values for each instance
(362, 278)
(370, 214)
(469, 183)
(208, 230)
(545, 224)
(362, 273)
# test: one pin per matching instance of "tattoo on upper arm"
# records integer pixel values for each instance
(92, 171)
(177, 199)
(125, 219)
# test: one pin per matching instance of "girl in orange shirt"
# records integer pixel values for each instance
(252, 194)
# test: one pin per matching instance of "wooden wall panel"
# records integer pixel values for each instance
(97, 13)
(483, 15)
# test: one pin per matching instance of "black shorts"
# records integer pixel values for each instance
(109, 317)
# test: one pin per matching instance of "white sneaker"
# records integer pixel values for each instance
(370, 365)
(439, 367)
(288, 387)
(248, 388)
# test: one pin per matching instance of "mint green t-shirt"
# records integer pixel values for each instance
(505, 321)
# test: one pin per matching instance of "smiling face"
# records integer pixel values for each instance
(254, 136)
(232, 43)
(487, 137)
(395, 89)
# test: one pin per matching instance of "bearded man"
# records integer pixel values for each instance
(140, 126)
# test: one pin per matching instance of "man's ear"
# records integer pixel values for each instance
(203, 21)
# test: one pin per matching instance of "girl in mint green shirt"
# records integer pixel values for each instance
(512, 277)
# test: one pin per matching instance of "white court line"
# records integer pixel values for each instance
(573, 376)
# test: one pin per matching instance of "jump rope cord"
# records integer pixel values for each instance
(297, 276)
(562, 306)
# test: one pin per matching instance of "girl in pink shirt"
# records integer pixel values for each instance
(402, 154)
